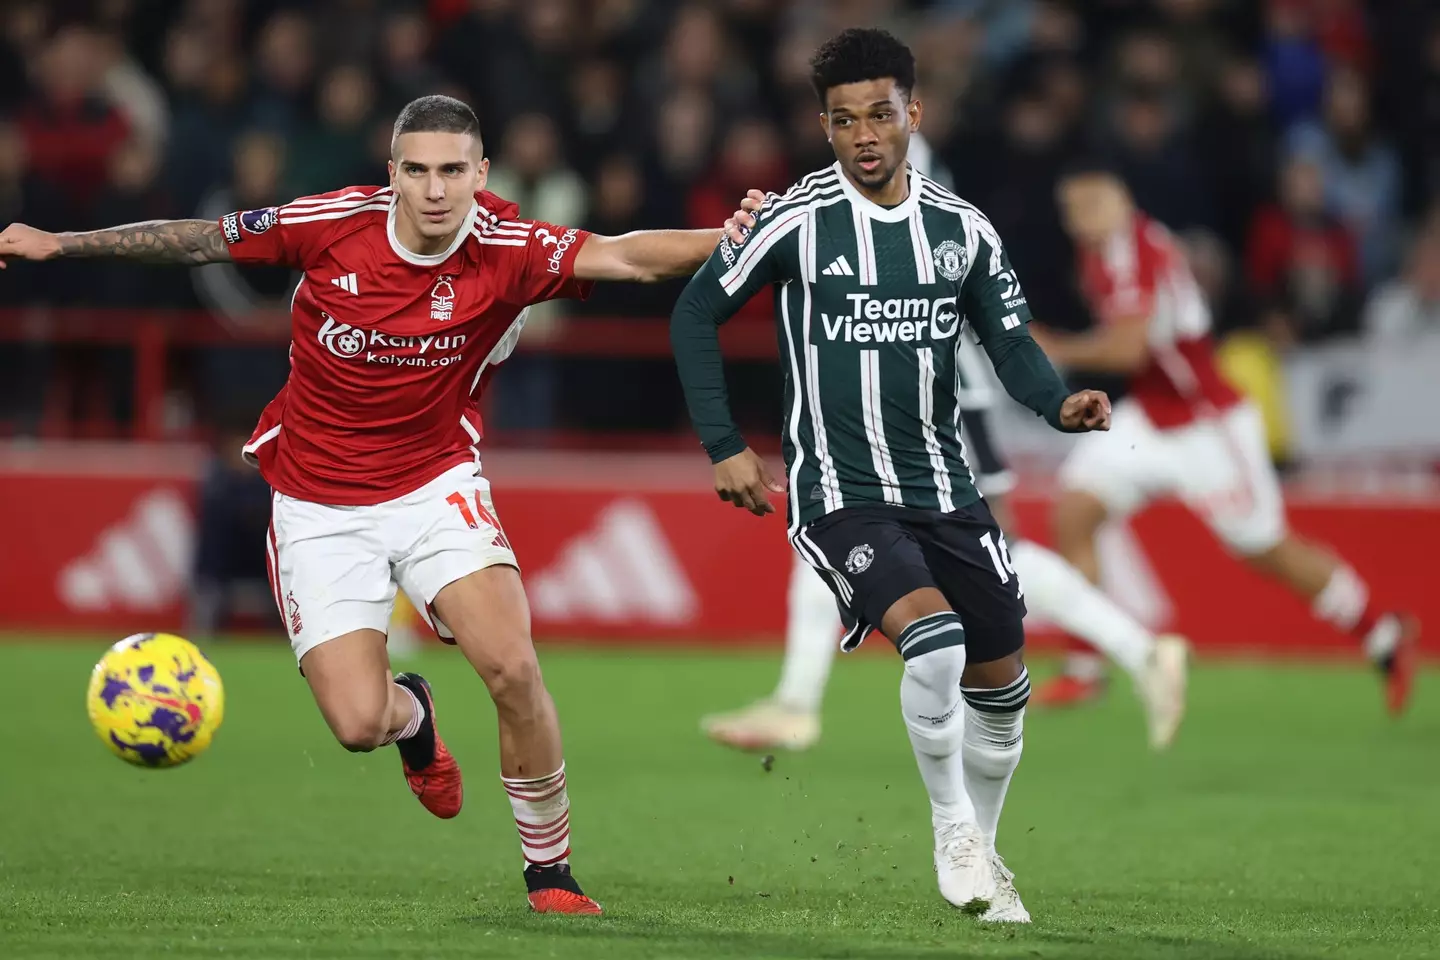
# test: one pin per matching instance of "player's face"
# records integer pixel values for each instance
(1093, 207)
(869, 126)
(435, 176)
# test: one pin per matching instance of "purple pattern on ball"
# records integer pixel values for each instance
(172, 723)
(150, 754)
(114, 688)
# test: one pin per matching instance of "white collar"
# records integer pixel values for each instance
(872, 209)
(431, 259)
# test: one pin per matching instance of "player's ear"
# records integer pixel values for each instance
(825, 125)
(482, 173)
(915, 110)
(390, 168)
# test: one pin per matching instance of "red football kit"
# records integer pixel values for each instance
(389, 348)
(1142, 274)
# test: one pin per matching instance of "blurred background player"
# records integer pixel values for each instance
(790, 717)
(1182, 431)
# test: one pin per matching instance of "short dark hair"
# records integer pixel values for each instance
(1090, 163)
(436, 113)
(859, 54)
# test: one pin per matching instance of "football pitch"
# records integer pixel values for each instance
(1292, 819)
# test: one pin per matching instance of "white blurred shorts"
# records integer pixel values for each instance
(335, 569)
(1219, 467)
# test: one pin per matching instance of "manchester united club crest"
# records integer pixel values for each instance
(860, 558)
(442, 300)
(950, 260)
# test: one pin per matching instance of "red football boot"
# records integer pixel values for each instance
(1065, 690)
(431, 771)
(553, 890)
(1400, 666)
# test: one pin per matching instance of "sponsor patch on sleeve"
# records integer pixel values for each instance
(230, 226)
(258, 221)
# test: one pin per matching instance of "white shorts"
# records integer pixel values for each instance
(1219, 467)
(335, 569)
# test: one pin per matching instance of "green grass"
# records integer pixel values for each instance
(1292, 820)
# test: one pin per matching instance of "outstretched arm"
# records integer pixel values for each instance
(645, 256)
(648, 256)
(190, 242)
(1121, 347)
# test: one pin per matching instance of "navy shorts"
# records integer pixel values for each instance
(874, 554)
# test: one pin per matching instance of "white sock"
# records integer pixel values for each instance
(417, 717)
(934, 715)
(542, 817)
(1060, 593)
(1343, 600)
(812, 637)
(994, 739)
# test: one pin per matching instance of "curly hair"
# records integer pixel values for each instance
(860, 54)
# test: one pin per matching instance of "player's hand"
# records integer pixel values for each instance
(19, 242)
(1086, 410)
(745, 481)
(742, 221)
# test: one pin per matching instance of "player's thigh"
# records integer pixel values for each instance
(488, 612)
(441, 534)
(1230, 481)
(350, 678)
(970, 559)
(1122, 467)
(328, 570)
(871, 562)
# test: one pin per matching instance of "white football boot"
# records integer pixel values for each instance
(1005, 906)
(962, 866)
(1161, 687)
(765, 725)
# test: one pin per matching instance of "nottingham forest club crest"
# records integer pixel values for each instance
(950, 260)
(442, 300)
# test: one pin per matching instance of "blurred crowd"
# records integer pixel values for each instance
(1294, 143)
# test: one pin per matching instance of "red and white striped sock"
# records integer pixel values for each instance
(542, 817)
(417, 717)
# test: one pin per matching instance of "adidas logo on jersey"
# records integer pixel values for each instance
(347, 283)
(624, 568)
(139, 563)
(840, 267)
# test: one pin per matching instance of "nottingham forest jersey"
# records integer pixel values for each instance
(871, 305)
(390, 348)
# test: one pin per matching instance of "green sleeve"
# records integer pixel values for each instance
(996, 309)
(715, 294)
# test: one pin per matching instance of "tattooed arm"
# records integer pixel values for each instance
(189, 242)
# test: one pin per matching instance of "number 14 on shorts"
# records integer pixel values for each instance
(1001, 558)
(461, 504)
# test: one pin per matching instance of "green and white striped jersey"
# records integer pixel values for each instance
(871, 304)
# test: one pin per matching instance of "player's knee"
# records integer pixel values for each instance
(360, 732)
(513, 681)
(994, 705)
(939, 670)
(1077, 516)
(1269, 561)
